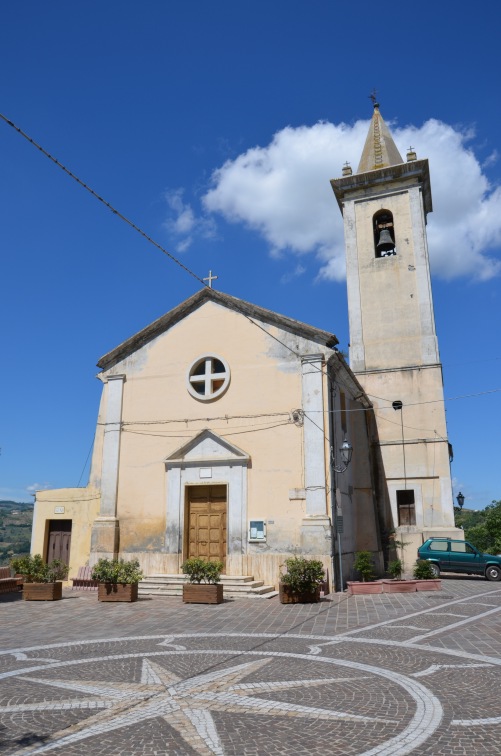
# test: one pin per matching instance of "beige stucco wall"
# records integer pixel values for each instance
(159, 416)
(81, 506)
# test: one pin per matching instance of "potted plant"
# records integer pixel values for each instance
(425, 577)
(364, 565)
(397, 585)
(204, 586)
(41, 581)
(395, 569)
(301, 582)
(118, 580)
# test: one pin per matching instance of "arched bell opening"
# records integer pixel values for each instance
(384, 234)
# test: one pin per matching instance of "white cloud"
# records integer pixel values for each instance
(38, 487)
(183, 224)
(282, 191)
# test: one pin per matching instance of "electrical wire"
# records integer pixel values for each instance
(101, 199)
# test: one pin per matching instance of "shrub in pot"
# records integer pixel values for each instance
(395, 569)
(204, 586)
(364, 565)
(301, 581)
(118, 579)
(42, 581)
(423, 570)
(426, 580)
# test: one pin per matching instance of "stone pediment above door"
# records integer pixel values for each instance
(207, 448)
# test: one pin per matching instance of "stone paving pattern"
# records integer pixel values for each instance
(389, 674)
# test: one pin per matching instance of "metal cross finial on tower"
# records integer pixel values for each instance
(373, 97)
(210, 278)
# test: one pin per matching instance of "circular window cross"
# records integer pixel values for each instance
(208, 377)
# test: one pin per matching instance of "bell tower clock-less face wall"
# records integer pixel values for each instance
(393, 342)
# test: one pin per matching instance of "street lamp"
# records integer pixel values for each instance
(346, 450)
(460, 500)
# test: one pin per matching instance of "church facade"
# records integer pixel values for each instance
(218, 435)
(221, 425)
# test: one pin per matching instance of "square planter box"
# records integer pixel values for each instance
(356, 588)
(399, 586)
(289, 596)
(43, 591)
(433, 584)
(203, 593)
(117, 592)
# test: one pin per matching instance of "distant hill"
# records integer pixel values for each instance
(6, 504)
(16, 519)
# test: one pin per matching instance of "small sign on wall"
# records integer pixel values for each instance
(257, 530)
(58, 510)
(206, 472)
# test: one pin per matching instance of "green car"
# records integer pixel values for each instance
(459, 556)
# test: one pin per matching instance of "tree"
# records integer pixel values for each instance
(482, 528)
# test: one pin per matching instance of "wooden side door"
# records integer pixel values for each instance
(59, 541)
(207, 522)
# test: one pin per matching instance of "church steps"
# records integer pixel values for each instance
(235, 586)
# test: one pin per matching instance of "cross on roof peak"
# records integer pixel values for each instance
(210, 278)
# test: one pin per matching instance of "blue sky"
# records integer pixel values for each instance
(216, 126)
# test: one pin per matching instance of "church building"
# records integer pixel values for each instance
(228, 431)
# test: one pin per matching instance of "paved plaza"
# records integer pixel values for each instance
(390, 674)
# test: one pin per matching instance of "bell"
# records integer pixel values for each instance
(385, 243)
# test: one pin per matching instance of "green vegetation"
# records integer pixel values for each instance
(202, 571)
(15, 529)
(364, 565)
(423, 570)
(303, 575)
(35, 570)
(117, 571)
(483, 528)
(395, 569)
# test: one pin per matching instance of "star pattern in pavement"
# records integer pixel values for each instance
(186, 705)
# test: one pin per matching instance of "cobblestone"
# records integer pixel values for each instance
(390, 675)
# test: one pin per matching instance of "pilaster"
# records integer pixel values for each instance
(314, 433)
(105, 538)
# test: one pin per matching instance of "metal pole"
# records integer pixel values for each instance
(340, 561)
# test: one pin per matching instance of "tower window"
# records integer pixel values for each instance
(384, 234)
(406, 507)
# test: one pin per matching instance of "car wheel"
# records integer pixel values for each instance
(435, 569)
(493, 573)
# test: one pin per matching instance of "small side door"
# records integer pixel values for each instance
(464, 558)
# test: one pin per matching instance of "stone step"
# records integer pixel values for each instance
(180, 578)
(235, 586)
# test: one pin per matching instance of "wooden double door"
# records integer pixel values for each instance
(206, 510)
(59, 540)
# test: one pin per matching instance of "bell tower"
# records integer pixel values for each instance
(394, 349)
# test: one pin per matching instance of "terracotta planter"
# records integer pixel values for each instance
(43, 591)
(399, 586)
(289, 596)
(203, 593)
(356, 588)
(432, 584)
(117, 592)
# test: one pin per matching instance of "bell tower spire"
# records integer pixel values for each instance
(393, 342)
(379, 150)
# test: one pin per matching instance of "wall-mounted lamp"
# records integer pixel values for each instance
(346, 452)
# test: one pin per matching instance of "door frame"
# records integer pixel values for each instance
(208, 459)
